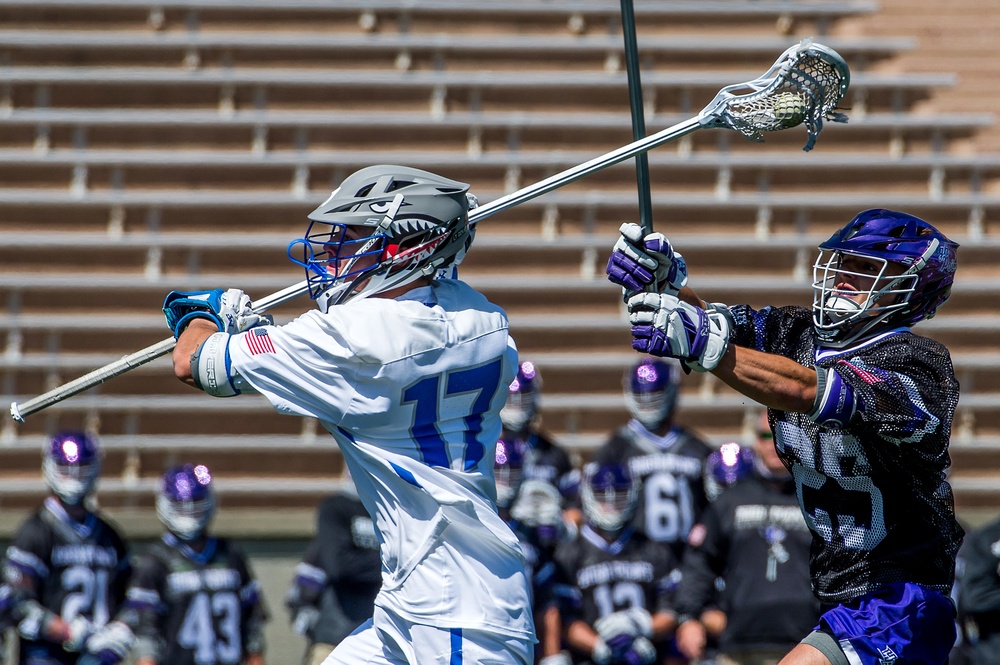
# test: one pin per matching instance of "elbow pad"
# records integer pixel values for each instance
(212, 371)
(835, 403)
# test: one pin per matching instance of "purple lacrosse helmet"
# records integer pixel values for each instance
(886, 237)
(186, 501)
(651, 387)
(71, 464)
(609, 496)
(725, 466)
(523, 397)
(507, 469)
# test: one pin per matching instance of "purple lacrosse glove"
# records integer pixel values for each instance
(620, 645)
(665, 326)
(649, 262)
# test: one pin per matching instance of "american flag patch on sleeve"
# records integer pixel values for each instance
(258, 341)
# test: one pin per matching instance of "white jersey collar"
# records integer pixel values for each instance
(823, 352)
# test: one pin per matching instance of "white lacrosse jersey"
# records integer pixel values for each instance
(411, 389)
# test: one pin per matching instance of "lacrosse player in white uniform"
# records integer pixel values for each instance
(408, 373)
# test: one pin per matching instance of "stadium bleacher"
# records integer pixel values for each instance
(179, 144)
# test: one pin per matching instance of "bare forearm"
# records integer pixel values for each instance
(191, 338)
(772, 380)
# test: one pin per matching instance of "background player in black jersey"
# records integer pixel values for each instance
(978, 594)
(666, 459)
(543, 458)
(622, 581)
(67, 568)
(861, 409)
(335, 584)
(753, 537)
(193, 599)
(533, 511)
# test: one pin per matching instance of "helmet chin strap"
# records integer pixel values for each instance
(840, 308)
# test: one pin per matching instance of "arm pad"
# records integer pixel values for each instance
(835, 403)
(212, 371)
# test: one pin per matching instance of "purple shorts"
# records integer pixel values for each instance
(900, 622)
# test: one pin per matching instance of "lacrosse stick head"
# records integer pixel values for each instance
(804, 85)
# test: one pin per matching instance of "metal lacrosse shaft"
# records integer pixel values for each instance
(712, 115)
(638, 120)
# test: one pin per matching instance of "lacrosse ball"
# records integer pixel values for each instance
(789, 108)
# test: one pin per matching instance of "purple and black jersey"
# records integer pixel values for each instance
(190, 608)
(670, 470)
(69, 569)
(869, 466)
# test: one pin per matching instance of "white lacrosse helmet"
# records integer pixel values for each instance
(186, 501)
(71, 465)
(384, 227)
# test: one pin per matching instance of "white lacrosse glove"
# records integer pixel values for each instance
(665, 326)
(646, 262)
(231, 310)
(80, 629)
(601, 653)
(633, 622)
(306, 618)
(111, 644)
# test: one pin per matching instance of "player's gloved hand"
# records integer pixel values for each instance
(305, 618)
(665, 326)
(646, 262)
(109, 646)
(231, 310)
(634, 622)
(80, 629)
(601, 653)
(640, 652)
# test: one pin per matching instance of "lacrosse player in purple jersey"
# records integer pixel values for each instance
(544, 460)
(861, 410)
(67, 568)
(193, 599)
(408, 373)
(666, 459)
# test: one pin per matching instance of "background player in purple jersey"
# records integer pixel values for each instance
(861, 410)
(531, 508)
(543, 459)
(620, 609)
(193, 599)
(67, 568)
(666, 459)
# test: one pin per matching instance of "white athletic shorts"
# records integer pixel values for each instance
(388, 640)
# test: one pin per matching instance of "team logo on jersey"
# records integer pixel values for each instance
(258, 341)
(888, 656)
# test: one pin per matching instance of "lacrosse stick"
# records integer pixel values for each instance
(804, 85)
(638, 121)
